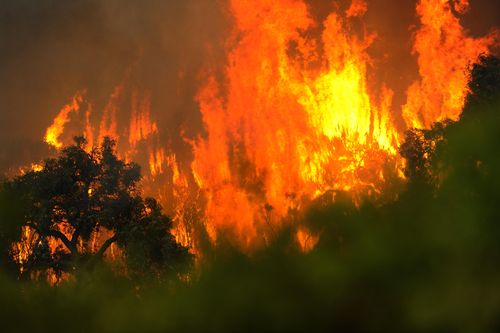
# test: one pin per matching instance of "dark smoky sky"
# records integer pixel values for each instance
(52, 48)
(49, 49)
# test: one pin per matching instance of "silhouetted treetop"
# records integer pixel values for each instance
(85, 201)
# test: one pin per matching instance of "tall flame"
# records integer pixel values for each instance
(57, 128)
(287, 130)
(141, 126)
(444, 54)
(297, 114)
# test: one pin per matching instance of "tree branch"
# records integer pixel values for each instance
(105, 246)
(64, 239)
(74, 237)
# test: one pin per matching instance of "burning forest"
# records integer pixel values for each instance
(348, 147)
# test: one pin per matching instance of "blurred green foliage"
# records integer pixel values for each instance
(427, 262)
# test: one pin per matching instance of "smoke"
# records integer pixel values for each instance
(53, 48)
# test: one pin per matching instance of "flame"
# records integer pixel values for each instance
(22, 249)
(357, 8)
(306, 240)
(183, 213)
(89, 130)
(295, 114)
(156, 160)
(57, 128)
(141, 126)
(284, 132)
(108, 125)
(445, 52)
(36, 167)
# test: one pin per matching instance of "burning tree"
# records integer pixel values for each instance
(421, 146)
(82, 203)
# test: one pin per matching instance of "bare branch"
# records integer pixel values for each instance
(105, 246)
(59, 235)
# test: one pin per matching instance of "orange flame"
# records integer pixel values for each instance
(297, 114)
(306, 240)
(141, 126)
(445, 52)
(108, 126)
(57, 128)
(283, 132)
(357, 8)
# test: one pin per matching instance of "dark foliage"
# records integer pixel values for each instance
(79, 194)
(484, 84)
(418, 150)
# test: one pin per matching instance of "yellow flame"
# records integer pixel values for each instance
(57, 128)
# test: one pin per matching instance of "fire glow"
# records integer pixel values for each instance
(295, 115)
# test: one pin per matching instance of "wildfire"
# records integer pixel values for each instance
(444, 54)
(295, 115)
(57, 128)
(141, 126)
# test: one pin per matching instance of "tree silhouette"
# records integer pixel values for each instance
(81, 194)
(418, 149)
(420, 145)
(484, 85)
